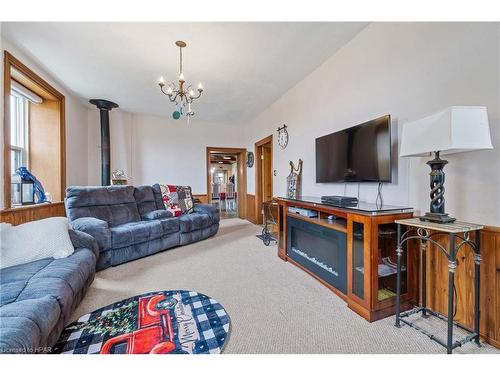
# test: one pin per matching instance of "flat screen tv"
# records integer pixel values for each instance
(361, 153)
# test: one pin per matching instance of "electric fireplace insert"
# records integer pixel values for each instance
(319, 249)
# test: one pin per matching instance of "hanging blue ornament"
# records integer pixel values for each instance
(176, 115)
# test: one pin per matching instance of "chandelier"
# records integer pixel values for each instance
(182, 94)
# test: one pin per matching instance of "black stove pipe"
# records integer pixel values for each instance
(104, 107)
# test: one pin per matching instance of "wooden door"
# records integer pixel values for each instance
(263, 175)
(267, 177)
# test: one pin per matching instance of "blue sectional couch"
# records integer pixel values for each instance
(110, 225)
(38, 298)
(131, 222)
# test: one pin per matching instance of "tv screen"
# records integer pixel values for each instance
(361, 153)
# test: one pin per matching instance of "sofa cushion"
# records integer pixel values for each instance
(74, 270)
(134, 233)
(27, 324)
(147, 199)
(113, 204)
(194, 221)
(14, 279)
(170, 225)
(157, 214)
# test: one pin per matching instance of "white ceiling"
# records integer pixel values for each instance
(244, 67)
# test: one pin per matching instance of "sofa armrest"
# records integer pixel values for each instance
(82, 240)
(99, 229)
(157, 214)
(207, 209)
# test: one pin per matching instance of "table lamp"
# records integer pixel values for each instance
(452, 130)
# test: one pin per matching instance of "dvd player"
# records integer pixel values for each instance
(339, 200)
(303, 211)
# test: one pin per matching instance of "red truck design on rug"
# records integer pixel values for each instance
(154, 332)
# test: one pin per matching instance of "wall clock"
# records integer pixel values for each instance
(250, 159)
(282, 137)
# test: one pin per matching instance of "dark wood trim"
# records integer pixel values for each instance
(6, 130)
(251, 208)
(12, 62)
(21, 215)
(258, 175)
(242, 175)
(489, 304)
(202, 197)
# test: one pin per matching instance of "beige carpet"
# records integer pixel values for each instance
(274, 306)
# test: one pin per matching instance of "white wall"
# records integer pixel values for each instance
(408, 70)
(154, 149)
(76, 121)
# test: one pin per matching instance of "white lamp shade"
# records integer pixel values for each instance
(455, 129)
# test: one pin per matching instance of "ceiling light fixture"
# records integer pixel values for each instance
(183, 94)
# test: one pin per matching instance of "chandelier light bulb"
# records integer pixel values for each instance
(200, 87)
(161, 81)
(191, 93)
(181, 77)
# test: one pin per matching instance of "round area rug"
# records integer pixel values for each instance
(165, 322)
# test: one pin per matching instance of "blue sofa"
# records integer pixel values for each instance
(38, 298)
(131, 222)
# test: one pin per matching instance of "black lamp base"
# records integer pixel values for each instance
(437, 214)
(437, 218)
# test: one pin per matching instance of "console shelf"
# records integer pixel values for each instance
(358, 245)
(332, 224)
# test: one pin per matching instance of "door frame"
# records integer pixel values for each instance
(258, 176)
(241, 154)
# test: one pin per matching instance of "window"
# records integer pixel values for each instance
(34, 129)
(18, 132)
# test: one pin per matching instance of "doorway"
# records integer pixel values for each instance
(226, 180)
(263, 175)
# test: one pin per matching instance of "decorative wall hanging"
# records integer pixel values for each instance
(250, 159)
(294, 181)
(282, 137)
(180, 95)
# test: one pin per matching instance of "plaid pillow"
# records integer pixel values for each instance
(185, 198)
(170, 199)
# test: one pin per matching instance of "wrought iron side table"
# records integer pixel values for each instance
(425, 231)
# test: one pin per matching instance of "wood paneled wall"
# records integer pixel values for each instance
(437, 284)
(251, 217)
(22, 215)
(202, 197)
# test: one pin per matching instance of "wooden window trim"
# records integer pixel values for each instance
(12, 62)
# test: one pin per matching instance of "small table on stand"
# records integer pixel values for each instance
(421, 230)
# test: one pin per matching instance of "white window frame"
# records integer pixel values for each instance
(19, 128)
